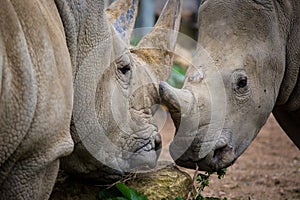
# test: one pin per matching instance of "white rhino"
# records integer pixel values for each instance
(68, 62)
(246, 67)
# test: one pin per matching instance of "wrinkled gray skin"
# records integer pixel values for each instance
(247, 66)
(48, 48)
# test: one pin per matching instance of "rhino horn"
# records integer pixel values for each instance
(157, 47)
(178, 101)
(122, 15)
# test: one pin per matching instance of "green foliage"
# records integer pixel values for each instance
(177, 76)
(135, 41)
(203, 181)
(221, 173)
(110, 194)
(130, 193)
(121, 192)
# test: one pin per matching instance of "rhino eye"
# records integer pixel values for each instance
(242, 82)
(125, 69)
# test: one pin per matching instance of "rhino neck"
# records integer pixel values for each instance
(89, 43)
(287, 109)
(289, 94)
(84, 21)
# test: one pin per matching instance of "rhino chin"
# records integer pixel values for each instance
(144, 161)
(145, 157)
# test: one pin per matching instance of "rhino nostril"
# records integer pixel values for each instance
(218, 153)
(157, 142)
(148, 147)
(224, 154)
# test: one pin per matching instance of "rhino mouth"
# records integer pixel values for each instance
(214, 161)
(145, 154)
(151, 144)
(144, 144)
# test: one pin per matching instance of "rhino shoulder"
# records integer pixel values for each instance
(36, 98)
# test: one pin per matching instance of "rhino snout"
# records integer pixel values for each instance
(220, 154)
(217, 159)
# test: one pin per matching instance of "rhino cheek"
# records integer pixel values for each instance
(245, 129)
(245, 119)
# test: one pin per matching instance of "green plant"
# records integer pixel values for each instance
(135, 41)
(203, 181)
(120, 191)
(177, 76)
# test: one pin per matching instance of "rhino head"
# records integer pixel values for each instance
(115, 85)
(234, 82)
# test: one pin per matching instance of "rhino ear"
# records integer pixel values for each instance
(122, 15)
(164, 33)
(157, 47)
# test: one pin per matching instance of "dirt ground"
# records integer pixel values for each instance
(269, 169)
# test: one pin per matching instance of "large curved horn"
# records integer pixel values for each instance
(122, 14)
(157, 47)
(180, 102)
